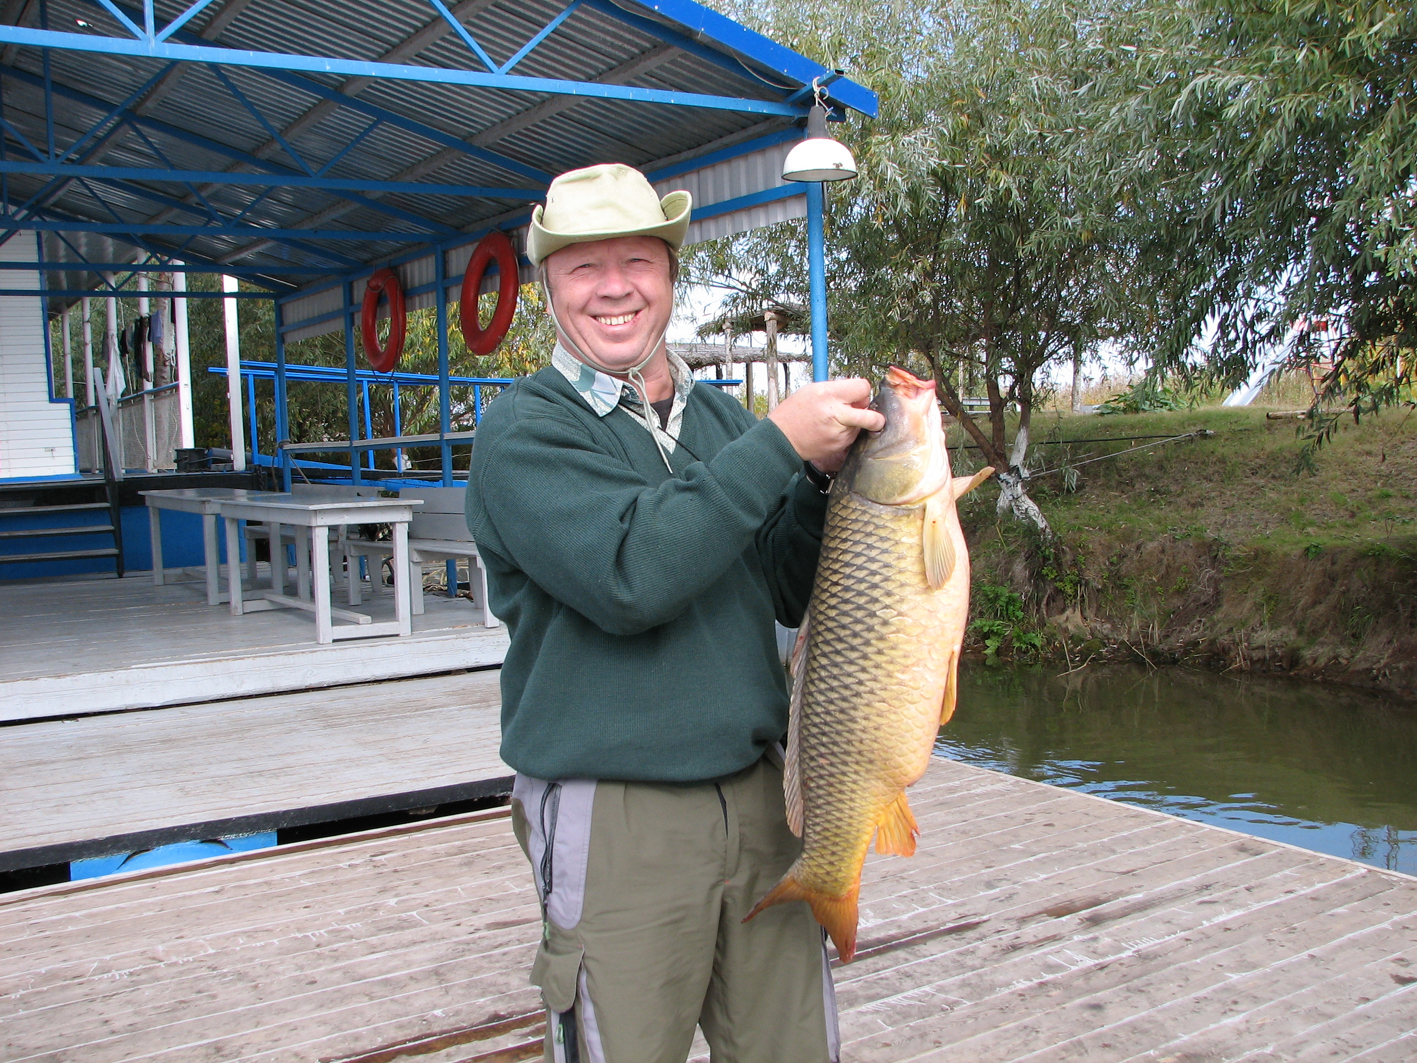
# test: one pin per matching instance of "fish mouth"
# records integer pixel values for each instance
(904, 380)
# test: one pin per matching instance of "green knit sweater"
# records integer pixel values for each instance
(640, 606)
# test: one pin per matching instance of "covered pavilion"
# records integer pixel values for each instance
(301, 147)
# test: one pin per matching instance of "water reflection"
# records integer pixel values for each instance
(1329, 769)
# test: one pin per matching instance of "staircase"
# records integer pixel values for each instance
(90, 522)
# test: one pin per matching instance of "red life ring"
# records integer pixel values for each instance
(383, 359)
(494, 245)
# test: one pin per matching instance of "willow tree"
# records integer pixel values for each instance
(985, 238)
(1287, 136)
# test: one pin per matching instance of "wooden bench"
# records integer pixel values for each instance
(438, 532)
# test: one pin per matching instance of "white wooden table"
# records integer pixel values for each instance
(314, 512)
(204, 501)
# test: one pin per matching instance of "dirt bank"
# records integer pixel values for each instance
(1214, 550)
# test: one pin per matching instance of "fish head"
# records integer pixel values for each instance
(906, 461)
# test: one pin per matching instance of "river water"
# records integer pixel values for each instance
(1326, 768)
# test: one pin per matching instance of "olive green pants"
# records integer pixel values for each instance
(644, 888)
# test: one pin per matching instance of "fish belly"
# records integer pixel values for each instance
(879, 653)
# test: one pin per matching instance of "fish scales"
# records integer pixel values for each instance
(875, 678)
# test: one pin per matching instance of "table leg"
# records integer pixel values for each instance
(277, 558)
(402, 605)
(320, 575)
(303, 547)
(250, 554)
(155, 537)
(211, 558)
(233, 565)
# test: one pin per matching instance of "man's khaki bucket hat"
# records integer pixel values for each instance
(603, 202)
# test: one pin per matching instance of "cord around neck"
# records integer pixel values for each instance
(634, 373)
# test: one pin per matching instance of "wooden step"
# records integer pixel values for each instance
(62, 555)
(35, 533)
(25, 511)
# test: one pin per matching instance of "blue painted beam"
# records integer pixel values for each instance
(137, 49)
(106, 293)
(196, 139)
(332, 184)
(737, 151)
(817, 277)
(242, 231)
(159, 267)
(703, 23)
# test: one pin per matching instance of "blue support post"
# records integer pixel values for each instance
(817, 277)
(398, 427)
(351, 389)
(445, 407)
(282, 419)
(251, 408)
(368, 423)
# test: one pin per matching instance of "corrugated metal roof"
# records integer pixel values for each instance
(166, 116)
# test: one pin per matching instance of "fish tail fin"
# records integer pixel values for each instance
(836, 915)
(896, 829)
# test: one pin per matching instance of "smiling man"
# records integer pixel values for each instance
(641, 533)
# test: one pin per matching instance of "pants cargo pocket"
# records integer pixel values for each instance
(556, 972)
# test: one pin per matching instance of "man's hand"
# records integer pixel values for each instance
(821, 420)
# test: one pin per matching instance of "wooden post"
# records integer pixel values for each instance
(770, 325)
(68, 355)
(233, 386)
(182, 345)
(87, 312)
(149, 425)
(1077, 378)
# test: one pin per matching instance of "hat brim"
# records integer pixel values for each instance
(677, 207)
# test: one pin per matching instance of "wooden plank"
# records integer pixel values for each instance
(71, 789)
(89, 646)
(1033, 924)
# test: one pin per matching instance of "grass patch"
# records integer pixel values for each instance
(1210, 549)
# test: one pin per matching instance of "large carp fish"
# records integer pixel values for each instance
(875, 662)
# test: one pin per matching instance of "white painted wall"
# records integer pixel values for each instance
(36, 434)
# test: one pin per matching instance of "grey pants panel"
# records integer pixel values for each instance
(655, 943)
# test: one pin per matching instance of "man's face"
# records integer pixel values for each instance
(613, 297)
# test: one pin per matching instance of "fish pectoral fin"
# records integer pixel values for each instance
(939, 548)
(791, 775)
(947, 703)
(963, 485)
(836, 915)
(896, 829)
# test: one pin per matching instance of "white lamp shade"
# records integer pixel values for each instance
(819, 159)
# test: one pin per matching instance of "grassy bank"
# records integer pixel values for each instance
(1212, 550)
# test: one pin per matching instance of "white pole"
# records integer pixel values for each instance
(68, 356)
(149, 414)
(184, 361)
(118, 377)
(88, 353)
(233, 376)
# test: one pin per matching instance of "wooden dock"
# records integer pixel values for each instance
(1033, 924)
(99, 645)
(71, 789)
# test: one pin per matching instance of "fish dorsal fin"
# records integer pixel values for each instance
(965, 484)
(939, 548)
(791, 777)
(947, 703)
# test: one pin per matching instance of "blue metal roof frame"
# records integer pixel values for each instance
(285, 139)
